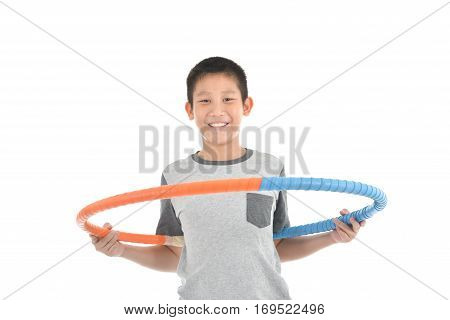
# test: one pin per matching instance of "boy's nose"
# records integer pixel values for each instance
(217, 109)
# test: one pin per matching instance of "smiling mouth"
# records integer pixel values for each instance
(219, 124)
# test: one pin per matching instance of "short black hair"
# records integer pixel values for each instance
(216, 65)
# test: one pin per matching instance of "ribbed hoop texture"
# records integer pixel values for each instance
(162, 192)
(235, 185)
(332, 185)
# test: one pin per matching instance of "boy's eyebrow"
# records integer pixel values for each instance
(206, 92)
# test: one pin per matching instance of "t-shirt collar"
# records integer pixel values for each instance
(248, 153)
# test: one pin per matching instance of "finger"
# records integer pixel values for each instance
(340, 233)
(345, 228)
(338, 225)
(103, 241)
(112, 242)
(346, 237)
(363, 223)
(113, 248)
(336, 222)
(108, 226)
(355, 225)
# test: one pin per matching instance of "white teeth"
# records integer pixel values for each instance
(218, 124)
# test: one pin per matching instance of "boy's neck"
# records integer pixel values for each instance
(230, 151)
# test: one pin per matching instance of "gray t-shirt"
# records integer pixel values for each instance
(229, 251)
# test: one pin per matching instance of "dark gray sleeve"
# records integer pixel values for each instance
(280, 216)
(168, 224)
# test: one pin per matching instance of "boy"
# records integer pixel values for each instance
(229, 250)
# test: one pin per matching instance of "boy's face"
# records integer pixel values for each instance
(218, 108)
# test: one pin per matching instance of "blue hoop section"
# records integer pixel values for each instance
(332, 185)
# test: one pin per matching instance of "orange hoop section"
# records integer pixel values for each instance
(162, 192)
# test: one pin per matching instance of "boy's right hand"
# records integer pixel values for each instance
(109, 244)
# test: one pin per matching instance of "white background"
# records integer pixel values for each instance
(69, 135)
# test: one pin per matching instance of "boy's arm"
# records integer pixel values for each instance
(299, 247)
(158, 257)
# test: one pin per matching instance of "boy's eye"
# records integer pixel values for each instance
(205, 100)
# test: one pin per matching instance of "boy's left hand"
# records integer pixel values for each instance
(343, 232)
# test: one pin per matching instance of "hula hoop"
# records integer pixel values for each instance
(235, 185)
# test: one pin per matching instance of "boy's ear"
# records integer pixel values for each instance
(189, 111)
(248, 105)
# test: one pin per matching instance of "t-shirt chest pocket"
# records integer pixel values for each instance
(259, 209)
